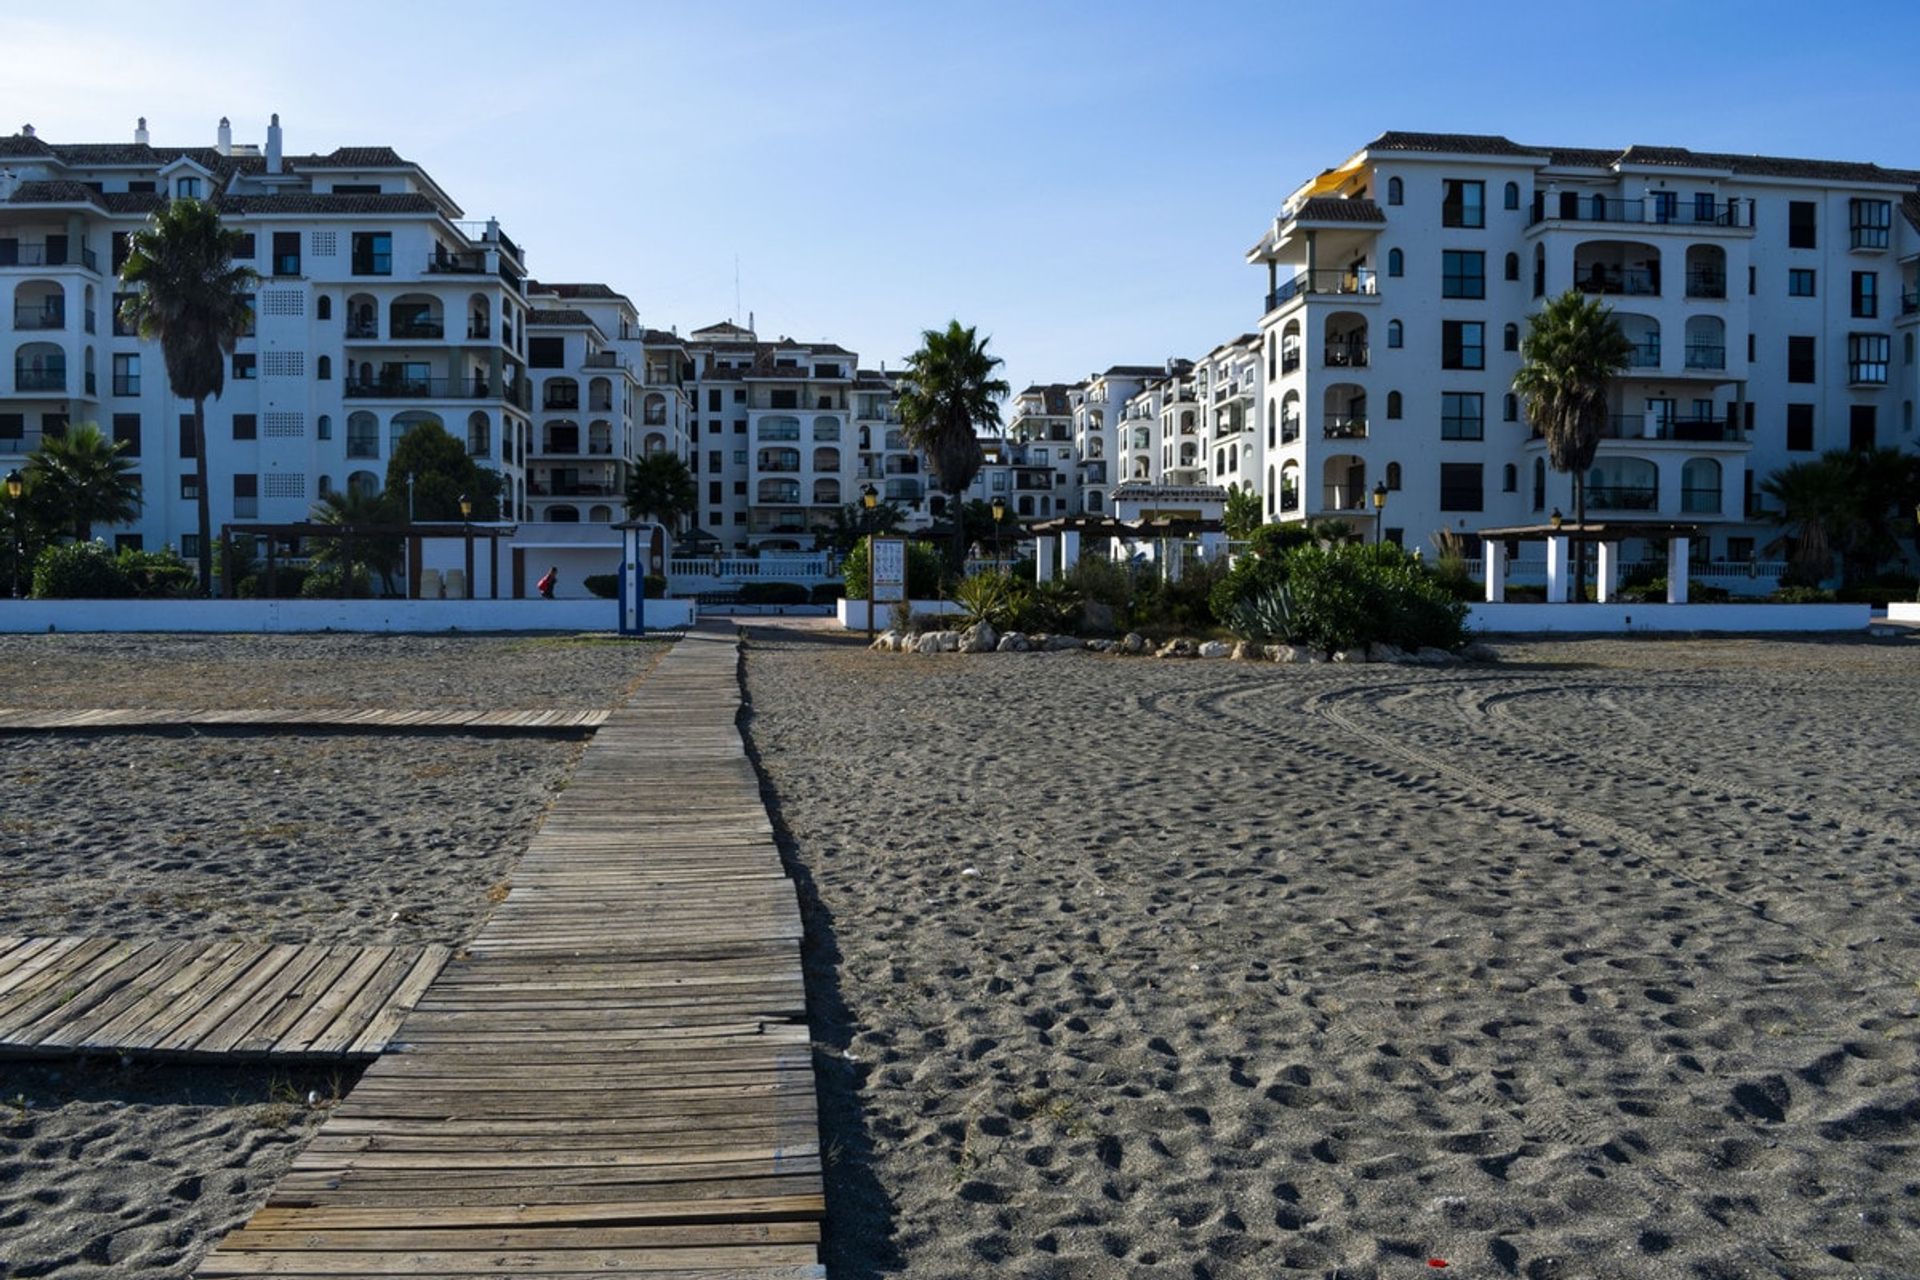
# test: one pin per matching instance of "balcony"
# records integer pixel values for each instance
(37, 318)
(363, 445)
(54, 379)
(1702, 355)
(1289, 499)
(458, 264)
(605, 360)
(1700, 502)
(1289, 430)
(1644, 355)
(1706, 284)
(1345, 427)
(1573, 207)
(418, 328)
(479, 332)
(14, 254)
(1910, 302)
(557, 401)
(1347, 356)
(1690, 430)
(363, 330)
(1623, 497)
(402, 387)
(1357, 283)
(1631, 281)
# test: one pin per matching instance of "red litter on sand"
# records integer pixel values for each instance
(1436, 1262)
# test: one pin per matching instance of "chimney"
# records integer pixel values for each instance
(273, 144)
(225, 144)
(26, 131)
(140, 132)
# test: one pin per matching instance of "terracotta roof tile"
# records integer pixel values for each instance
(566, 316)
(388, 203)
(1471, 144)
(1335, 209)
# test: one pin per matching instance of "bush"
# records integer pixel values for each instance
(773, 593)
(1802, 595)
(287, 583)
(1053, 607)
(156, 575)
(607, 585)
(1346, 596)
(1878, 591)
(826, 592)
(994, 598)
(1654, 591)
(325, 584)
(80, 571)
(1257, 570)
(926, 571)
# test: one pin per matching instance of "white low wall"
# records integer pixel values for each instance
(1592, 618)
(333, 615)
(1900, 611)
(853, 613)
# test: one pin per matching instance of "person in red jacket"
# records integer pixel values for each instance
(546, 584)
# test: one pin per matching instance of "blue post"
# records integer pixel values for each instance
(633, 584)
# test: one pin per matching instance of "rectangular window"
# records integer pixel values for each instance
(1463, 344)
(1867, 357)
(286, 253)
(1460, 486)
(121, 329)
(1800, 282)
(1862, 425)
(246, 426)
(373, 253)
(189, 546)
(1666, 204)
(1463, 274)
(13, 426)
(713, 491)
(126, 374)
(245, 366)
(1866, 295)
(1800, 225)
(246, 495)
(1462, 415)
(122, 245)
(546, 353)
(129, 542)
(1752, 339)
(244, 248)
(1800, 359)
(713, 400)
(739, 395)
(739, 488)
(1464, 204)
(189, 487)
(713, 460)
(739, 457)
(126, 434)
(187, 449)
(186, 188)
(1871, 222)
(1800, 428)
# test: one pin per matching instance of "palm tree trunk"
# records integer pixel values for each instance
(201, 504)
(1579, 549)
(957, 505)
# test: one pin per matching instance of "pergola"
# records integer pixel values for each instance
(413, 532)
(1068, 530)
(1561, 536)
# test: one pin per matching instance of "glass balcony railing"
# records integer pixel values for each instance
(1702, 355)
(1345, 427)
(1362, 282)
(1623, 497)
(1603, 279)
(1573, 207)
(52, 379)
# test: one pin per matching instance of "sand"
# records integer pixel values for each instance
(108, 1170)
(1604, 962)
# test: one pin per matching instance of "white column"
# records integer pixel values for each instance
(1493, 566)
(1212, 545)
(1173, 553)
(1043, 557)
(1557, 568)
(1069, 550)
(1608, 587)
(1677, 559)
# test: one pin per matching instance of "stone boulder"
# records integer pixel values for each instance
(1380, 652)
(1244, 652)
(1096, 616)
(1059, 644)
(1216, 649)
(1437, 657)
(887, 641)
(1133, 642)
(1012, 642)
(1480, 651)
(1350, 655)
(1099, 646)
(979, 638)
(1177, 648)
(937, 642)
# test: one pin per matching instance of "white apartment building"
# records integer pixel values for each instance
(1098, 406)
(378, 309)
(1771, 304)
(1230, 386)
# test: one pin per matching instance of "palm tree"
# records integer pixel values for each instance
(1844, 502)
(660, 486)
(951, 394)
(1572, 352)
(1243, 513)
(190, 297)
(81, 477)
(355, 510)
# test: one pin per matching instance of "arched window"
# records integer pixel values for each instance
(1273, 346)
(1393, 475)
(325, 427)
(1270, 491)
(599, 515)
(323, 308)
(1395, 335)
(1510, 337)
(1510, 407)
(1273, 418)
(323, 368)
(1396, 263)
(1513, 195)
(1509, 479)
(1395, 192)
(326, 485)
(1393, 404)
(1513, 267)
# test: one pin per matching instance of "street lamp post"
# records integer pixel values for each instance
(466, 528)
(14, 485)
(999, 514)
(1379, 511)
(869, 499)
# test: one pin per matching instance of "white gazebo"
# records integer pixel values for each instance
(1563, 538)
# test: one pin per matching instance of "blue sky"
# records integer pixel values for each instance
(1078, 180)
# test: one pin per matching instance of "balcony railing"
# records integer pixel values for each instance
(1701, 355)
(1289, 360)
(367, 329)
(1345, 427)
(41, 255)
(363, 446)
(39, 318)
(1639, 426)
(1347, 356)
(478, 332)
(1910, 302)
(1570, 207)
(1706, 284)
(1704, 502)
(459, 264)
(1597, 278)
(560, 400)
(604, 360)
(1644, 355)
(410, 388)
(39, 379)
(1623, 497)
(1289, 430)
(418, 329)
(1363, 282)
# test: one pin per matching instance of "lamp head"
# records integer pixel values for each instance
(1555, 518)
(868, 496)
(999, 509)
(466, 506)
(14, 484)
(1379, 495)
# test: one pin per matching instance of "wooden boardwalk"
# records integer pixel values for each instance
(616, 1076)
(234, 999)
(42, 720)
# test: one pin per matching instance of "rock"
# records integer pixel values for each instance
(1272, 652)
(1379, 652)
(1099, 646)
(1350, 655)
(1097, 616)
(1244, 652)
(1176, 648)
(1288, 653)
(979, 638)
(1480, 651)
(1012, 642)
(937, 642)
(1038, 640)
(1059, 644)
(1437, 657)
(1216, 649)
(1133, 642)
(886, 642)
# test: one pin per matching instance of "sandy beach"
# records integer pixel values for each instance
(116, 1170)
(1596, 963)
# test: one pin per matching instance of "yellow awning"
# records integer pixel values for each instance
(1332, 179)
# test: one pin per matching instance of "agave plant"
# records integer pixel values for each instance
(1269, 616)
(993, 598)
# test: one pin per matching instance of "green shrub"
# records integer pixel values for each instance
(826, 592)
(80, 571)
(607, 585)
(1878, 591)
(1266, 617)
(287, 583)
(1348, 595)
(1654, 591)
(325, 584)
(773, 593)
(926, 570)
(994, 598)
(1802, 595)
(1054, 607)
(156, 575)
